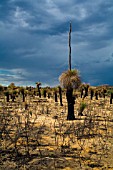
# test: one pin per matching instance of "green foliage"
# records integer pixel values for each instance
(109, 91)
(12, 86)
(6, 93)
(38, 84)
(83, 105)
(30, 113)
(14, 92)
(22, 90)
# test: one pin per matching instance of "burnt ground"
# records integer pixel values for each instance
(40, 137)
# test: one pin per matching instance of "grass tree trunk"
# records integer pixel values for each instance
(104, 93)
(23, 96)
(49, 95)
(111, 97)
(44, 93)
(38, 88)
(86, 91)
(71, 102)
(60, 94)
(92, 93)
(22, 90)
(81, 92)
(96, 95)
(55, 93)
(39, 92)
(7, 97)
(13, 98)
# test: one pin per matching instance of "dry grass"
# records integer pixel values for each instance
(40, 137)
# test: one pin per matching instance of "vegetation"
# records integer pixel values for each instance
(35, 134)
(38, 84)
(82, 107)
(70, 80)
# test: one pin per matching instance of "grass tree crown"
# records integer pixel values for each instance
(70, 79)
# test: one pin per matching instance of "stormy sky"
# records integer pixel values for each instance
(34, 40)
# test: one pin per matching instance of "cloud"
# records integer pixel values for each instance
(13, 75)
(34, 39)
(20, 17)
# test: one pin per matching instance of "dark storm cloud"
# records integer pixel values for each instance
(34, 40)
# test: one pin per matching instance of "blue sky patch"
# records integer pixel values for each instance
(34, 40)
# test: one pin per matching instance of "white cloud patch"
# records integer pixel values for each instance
(21, 17)
(13, 75)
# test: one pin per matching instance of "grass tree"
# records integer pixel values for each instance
(1, 89)
(111, 97)
(81, 89)
(96, 94)
(22, 90)
(12, 90)
(104, 91)
(60, 95)
(38, 84)
(91, 90)
(55, 94)
(12, 86)
(44, 92)
(70, 80)
(13, 95)
(86, 87)
(49, 93)
(7, 94)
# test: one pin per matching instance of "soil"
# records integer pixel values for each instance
(40, 138)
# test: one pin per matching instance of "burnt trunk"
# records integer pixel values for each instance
(71, 102)
(86, 91)
(13, 98)
(7, 97)
(60, 94)
(96, 95)
(92, 93)
(56, 100)
(111, 97)
(49, 95)
(82, 92)
(44, 93)
(23, 96)
(39, 93)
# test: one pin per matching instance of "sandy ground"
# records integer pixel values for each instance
(40, 137)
